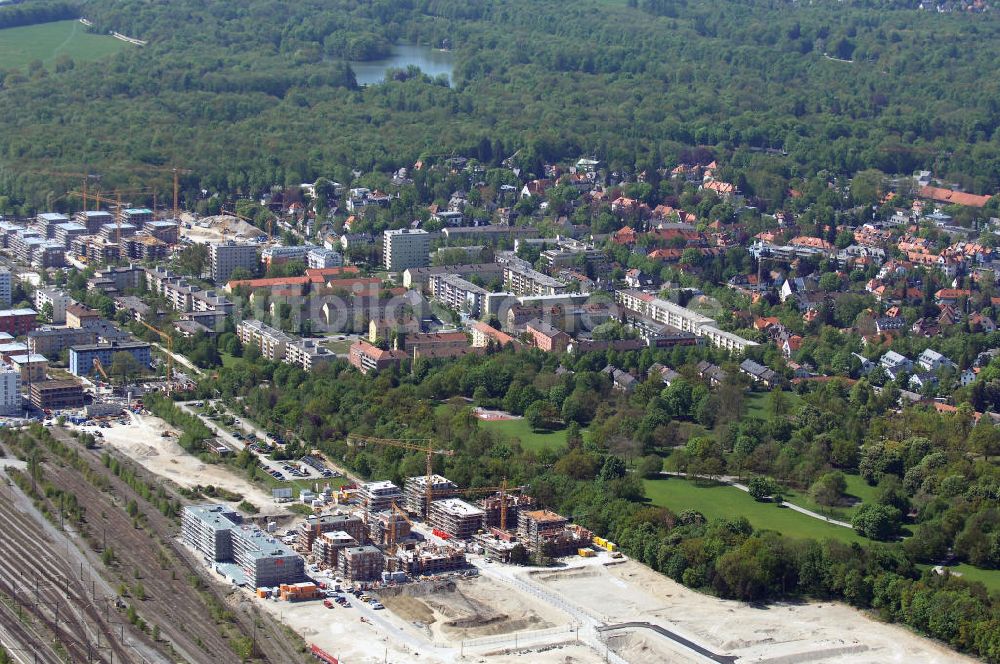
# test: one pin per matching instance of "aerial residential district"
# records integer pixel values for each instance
(507, 331)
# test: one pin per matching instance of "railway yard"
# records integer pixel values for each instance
(109, 576)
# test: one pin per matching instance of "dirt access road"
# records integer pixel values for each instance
(777, 633)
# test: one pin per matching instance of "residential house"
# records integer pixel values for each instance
(623, 381)
(759, 373)
(931, 360)
(711, 373)
(895, 364)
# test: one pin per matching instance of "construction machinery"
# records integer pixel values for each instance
(100, 369)
(170, 352)
(115, 203)
(417, 445)
(503, 490)
(85, 177)
(176, 172)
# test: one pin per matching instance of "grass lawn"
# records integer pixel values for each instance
(340, 347)
(720, 501)
(759, 403)
(530, 439)
(988, 577)
(229, 360)
(857, 488)
(46, 41)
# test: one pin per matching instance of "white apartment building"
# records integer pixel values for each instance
(682, 318)
(10, 390)
(405, 248)
(521, 279)
(54, 297)
(225, 257)
(457, 293)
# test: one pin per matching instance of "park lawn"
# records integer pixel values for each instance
(988, 577)
(530, 439)
(857, 489)
(759, 404)
(720, 501)
(46, 41)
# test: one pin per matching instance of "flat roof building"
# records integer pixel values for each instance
(405, 248)
(456, 517)
(242, 552)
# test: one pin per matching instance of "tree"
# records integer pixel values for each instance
(124, 366)
(650, 466)
(45, 312)
(877, 522)
(829, 489)
(541, 414)
(761, 487)
(612, 469)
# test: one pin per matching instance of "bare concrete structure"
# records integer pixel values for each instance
(456, 517)
(328, 547)
(415, 492)
(360, 563)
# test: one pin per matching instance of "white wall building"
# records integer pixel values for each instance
(54, 297)
(10, 391)
(405, 248)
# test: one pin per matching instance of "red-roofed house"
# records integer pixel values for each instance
(952, 197)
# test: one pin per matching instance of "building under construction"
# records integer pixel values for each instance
(430, 559)
(378, 497)
(380, 526)
(498, 545)
(360, 563)
(456, 517)
(551, 533)
(328, 547)
(515, 505)
(415, 492)
(314, 526)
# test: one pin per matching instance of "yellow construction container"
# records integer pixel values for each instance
(610, 546)
(586, 553)
(600, 541)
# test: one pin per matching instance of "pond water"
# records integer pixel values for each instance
(431, 62)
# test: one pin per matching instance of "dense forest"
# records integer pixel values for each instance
(257, 93)
(933, 478)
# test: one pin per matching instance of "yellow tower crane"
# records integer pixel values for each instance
(503, 490)
(115, 203)
(417, 445)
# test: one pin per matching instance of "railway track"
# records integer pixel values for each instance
(43, 583)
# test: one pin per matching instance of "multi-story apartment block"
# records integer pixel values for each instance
(94, 220)
(81, 358)
(242, 552)
(10, 391)
(6, 284)
(457, 293)
(271, 342)
(405, 248)
(56, 299)
(225, 257)
(521, 279)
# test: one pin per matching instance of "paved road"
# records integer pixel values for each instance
(673, 636)
(734, 482)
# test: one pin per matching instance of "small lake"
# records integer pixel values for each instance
(431, 62)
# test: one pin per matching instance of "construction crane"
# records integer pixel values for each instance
(391, 542)
(503, 490)
(115, 203)
(176, 172)
(100, 368)
(170, 351)
(415, 445)
(85, 177)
